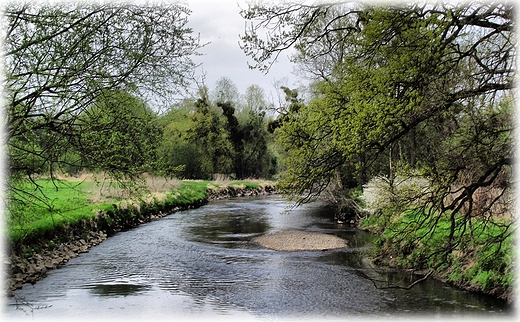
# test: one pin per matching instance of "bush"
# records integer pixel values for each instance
(396, 194)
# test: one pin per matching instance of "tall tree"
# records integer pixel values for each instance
(177, 155)
(254, 99)
(208, 131)
(225, 91)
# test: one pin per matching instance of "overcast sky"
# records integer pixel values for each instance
(219, 23)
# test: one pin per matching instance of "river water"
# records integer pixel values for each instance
(201, 263)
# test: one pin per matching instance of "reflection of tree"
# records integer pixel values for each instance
(384, 281)
(222, 226)
(22, 305)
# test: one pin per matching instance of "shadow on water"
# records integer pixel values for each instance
(117, 289)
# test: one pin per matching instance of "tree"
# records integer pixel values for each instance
(63, 58)
(259, 155)
(434, 80)
(120, 133)
(400, 67)
(255, 100)
(177, 155)
(225, 91)
(208, 132)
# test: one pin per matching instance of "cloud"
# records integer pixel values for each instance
(220, 24)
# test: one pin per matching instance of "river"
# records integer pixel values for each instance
(201, 263)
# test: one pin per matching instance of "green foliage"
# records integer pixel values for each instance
(177, 156)
(120, 133)
(61, 58)
(208, 132)
(201, 139)
(392, 83)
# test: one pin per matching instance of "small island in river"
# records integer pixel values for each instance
(299, 241)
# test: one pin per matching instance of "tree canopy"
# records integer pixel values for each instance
(383, 74)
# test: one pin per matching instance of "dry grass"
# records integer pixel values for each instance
(221, 179)
(146, 187)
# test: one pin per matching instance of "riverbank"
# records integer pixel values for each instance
(30, 259)
(473, 267)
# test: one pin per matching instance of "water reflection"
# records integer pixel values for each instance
(227, 228)
(347, 258)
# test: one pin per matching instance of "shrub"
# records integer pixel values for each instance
(397, 194)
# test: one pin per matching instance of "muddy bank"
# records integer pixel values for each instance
(30, 261)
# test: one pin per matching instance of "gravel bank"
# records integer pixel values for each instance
(300, 240)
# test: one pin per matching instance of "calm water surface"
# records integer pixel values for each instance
(201, 263)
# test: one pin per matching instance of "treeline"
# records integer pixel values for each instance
(227, 135)
(197, 138)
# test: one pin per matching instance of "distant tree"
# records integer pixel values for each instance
(255, 100)
(236, 136)
(178, 156)
(225, 91)
(209, 133)
(257, 154)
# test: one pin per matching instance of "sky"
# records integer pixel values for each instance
(219, 23)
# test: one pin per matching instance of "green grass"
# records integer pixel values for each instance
(246, 184)
(53, 203)
(190, 192)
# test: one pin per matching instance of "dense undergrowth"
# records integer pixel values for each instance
(483, 258)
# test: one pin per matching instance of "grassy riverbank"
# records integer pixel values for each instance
(482, 259)
(51, 205)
